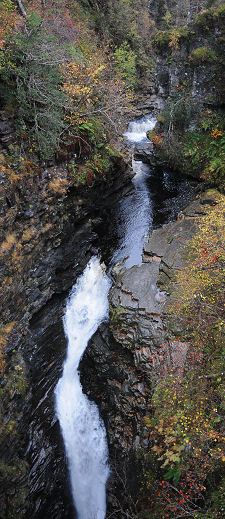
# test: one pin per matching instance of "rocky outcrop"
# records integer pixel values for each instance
(141, 340)
(182, 11)
(47, 240)
(143, 151)
(190, 60)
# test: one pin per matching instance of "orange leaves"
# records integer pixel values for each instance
(216, 133)
(7, 20)
(59, 186)
(155, 138)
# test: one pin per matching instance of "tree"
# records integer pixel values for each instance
(32, 66)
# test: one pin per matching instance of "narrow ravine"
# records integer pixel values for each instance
(82, 428)
(135, 211)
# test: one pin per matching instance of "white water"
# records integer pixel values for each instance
(82, 428)
(135, 211)
(137, 129)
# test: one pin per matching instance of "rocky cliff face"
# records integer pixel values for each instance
(181, 11)
(119, 362)
(183, 68)
(47, 239)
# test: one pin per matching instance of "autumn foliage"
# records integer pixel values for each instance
(186, 416)
(8, 18)
(61, 76)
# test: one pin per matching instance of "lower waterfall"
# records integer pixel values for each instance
(82, 429)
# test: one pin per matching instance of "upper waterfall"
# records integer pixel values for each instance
(137, 129)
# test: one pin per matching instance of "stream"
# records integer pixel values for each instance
(67, 448)
(81, 426)
(82, 429)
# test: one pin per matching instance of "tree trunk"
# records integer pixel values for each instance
(22, 8)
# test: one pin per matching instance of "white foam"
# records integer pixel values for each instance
(82, 428)
(138, 129)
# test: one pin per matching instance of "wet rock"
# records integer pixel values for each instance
(168, 242)
(47, 246)
(143, 151)
(118, 364)
(138, 288)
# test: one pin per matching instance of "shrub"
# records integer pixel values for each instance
(208, 17)
(172, 38)
(206, 153)
(125, 63)
(178, 113)
(203, 55)
(187, 411)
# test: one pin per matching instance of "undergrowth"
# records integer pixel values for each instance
(186, 419)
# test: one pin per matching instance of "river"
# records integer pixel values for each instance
(81, 426)
(111, 232)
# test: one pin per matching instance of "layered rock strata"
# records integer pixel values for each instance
(141, 340)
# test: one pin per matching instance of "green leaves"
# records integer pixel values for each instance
(32, 68)
(206, 150)
(173, 473)
(125, 62)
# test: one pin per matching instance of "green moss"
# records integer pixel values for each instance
(15, 379)
(115, 312)
(203, 55)
(172, 38)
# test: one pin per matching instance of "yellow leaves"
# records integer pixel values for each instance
(202, 278)
(8, 18)
(174, 38)
(216, 133)
(171, 458)
(82, 77)
(147, 421)
(5, 332)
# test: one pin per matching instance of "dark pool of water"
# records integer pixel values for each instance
(157, 200)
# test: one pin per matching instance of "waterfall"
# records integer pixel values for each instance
(135, 211)
(137, 129)
(82, 429)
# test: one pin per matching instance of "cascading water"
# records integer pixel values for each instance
(137, 129)
(135, 211)
(82, 428)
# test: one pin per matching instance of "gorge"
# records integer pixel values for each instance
(112, 259)
(47, 332)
